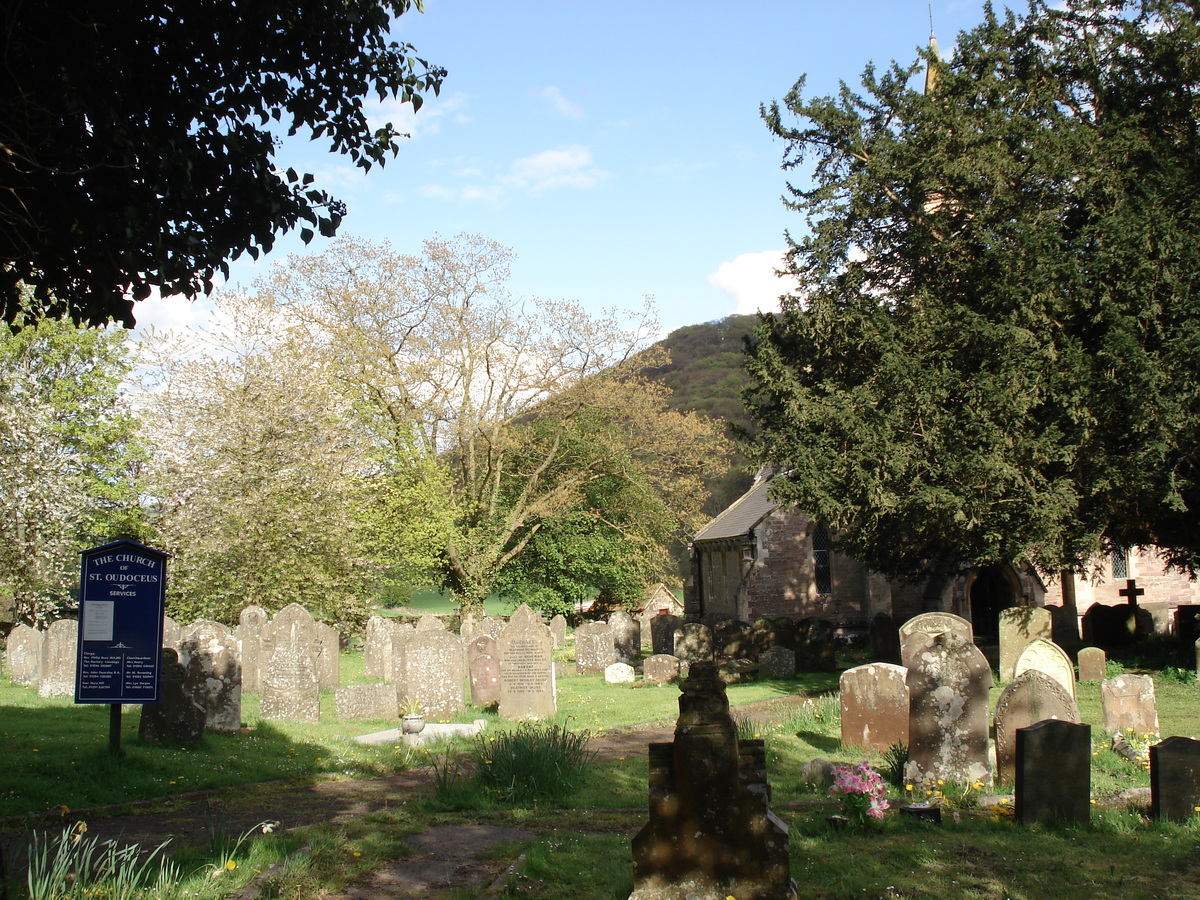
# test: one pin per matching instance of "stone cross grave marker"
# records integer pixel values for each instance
(528, 689)
(1054, 772)
(875, 706)
(1019, 627)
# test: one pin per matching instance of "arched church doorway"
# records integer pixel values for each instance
(991, 590)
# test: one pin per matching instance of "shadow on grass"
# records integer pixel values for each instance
(823, 742)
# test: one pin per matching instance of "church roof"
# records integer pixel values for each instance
(745, 512)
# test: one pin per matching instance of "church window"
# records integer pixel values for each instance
(1119, 557)
(822, 571)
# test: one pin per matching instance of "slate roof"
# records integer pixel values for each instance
(737, 520)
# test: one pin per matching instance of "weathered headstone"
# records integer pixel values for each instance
(434, 670)
(558, 630)
(627, 635)
(764, 634)
(172, 631)
(1053, 773)
(328, 655)
(662, 668)
(176, 720)
(484, 671)
(620, 673)
(490, 625)
(1110, 627)
(693, 643)
(377, 648)
(1093, 664)
(365, 701)
(1175, 779)
(931, 623)
(948, 681)
(401, 633)
(1047, 657)
(885, 639)
(711, 833)
(208, 651)
(815, 645)
(1031, 697)
(777, 662)
(662, 634)
(1128, 704)
(253, 622)
(1019, 627)
(528, 689)
(290, 690)
(59, 643)
(875, 706)
(734, 639)
(295, 625)
(595, 649)
(23, 654)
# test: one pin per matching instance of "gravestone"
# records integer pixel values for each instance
(815, 645)
(627, 635)
(1093, 664)
(595, 649)
(1175, 779)
(710, 833)
(490, 625)
(377, 649)
(434, 670)
(1047, 657)
(558, 630)
(875, 706)
(484, 671)
(734, 639)
(172, 631)
(328, 655)
(1031, 697)
(662, 634)
(528, 689)
(365, 701)
(777, 662)
(1019, 627)
(23, 654)
(1054, 772)
(59, 648)
(1187, 623)
(693, 643)
(401, 633)
(1110, 627)
(932, 623)
(176, 720)
(1128, 704)
(292, 624)
(662, 668)
(208, 651)
(885, 639)
(253, 622)
(948, 682)
(290, 690)
(620, 673)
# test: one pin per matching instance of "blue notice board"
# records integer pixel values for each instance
(122, 595)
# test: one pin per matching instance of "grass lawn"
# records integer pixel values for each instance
(57, 755)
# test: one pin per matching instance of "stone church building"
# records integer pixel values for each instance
(758, 558)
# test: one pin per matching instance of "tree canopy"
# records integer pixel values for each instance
(995, 352)
(138, 141)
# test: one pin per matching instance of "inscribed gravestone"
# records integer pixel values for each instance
(1128, 704)
(365, 701)
(434, 670)
(931, 623)
(734, 639)
(483, 668)
(1047, 657)
(777, 662)
(1019, 627)
(23, 654)
(328, 657)
(377, 648)
(1054, 772)
(885, 639)
(528, 689)
(176, 720)
(627, 635)
(401, 633)
(595, 649)
(948, 682)
(875, 705)
(558, 630)
(662, 634)
(59, 649)
(294, 625)
(1175, 779)
(693, 642)
(662, 668)
(209, 654)
(1093, 664)
(290, 690)
(1031, 697)
(252, 626)
(491, 626)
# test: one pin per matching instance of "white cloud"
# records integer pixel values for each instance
(561, 104)
(751, 280)
(568, 167)
(429, 120)
(174, 313)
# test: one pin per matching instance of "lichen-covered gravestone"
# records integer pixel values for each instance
(483, 668)
(1050, 659)
(328, 655)
(1019, 627)
(874, 700)
(931, 623)
(595, 649)
(290, 690)
(627, 635)
(59, 642)
(528, 689)
(711, 834)
(558, 630)
(620, 673)
(176, 720)
(434, 670)
(209, 653)
(1031, 697)
(948, 681)
(693, 643)
(661, 668)
(1129, 705)
(365, 701)
(23, 653)
(377, 649)
(253, 622)
(1053, 773)
(734, 639)
(777, 662)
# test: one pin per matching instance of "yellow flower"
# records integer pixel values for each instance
(940, 782)
(356, 853)
(908, 787)
(231, 865)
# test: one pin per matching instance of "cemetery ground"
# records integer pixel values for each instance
(301, 811)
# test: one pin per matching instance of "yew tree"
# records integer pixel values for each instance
(138, 141)
(995, 351)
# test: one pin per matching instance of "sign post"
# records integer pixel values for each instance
(122, 596)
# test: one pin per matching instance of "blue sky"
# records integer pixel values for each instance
(616, 146)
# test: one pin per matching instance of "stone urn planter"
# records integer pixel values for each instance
(412, 723)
